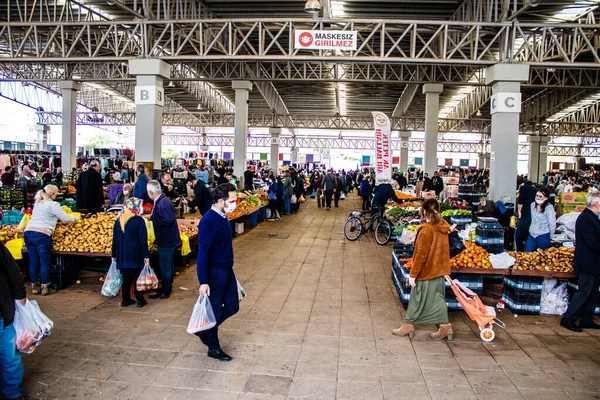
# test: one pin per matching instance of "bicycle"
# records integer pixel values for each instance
(355, 227)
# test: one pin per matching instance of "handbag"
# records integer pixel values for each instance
(272, 196)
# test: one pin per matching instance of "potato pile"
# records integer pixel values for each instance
(8, 232)
(555, 259)
(92, 235)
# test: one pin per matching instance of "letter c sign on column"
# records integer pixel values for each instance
(505, 102)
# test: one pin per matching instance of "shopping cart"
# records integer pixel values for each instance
(485, 316)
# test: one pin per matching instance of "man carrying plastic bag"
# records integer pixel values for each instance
(215, 266)
(12, 288)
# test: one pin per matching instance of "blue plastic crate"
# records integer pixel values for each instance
(253, 218)
(11, 217)
(524, 282)
(262, 214)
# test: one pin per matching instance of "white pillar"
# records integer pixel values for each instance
(68, 144)
(149, 103)
(275, 132)
(538, 158)
(242, 93)
(42, 136)
(505, 107)
(484, 161)
(404, 139)
(432, 109)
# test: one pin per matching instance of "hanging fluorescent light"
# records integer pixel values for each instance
(312, 6)
(479, 114)
(171, 84)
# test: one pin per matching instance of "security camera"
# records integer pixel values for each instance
(312, 6)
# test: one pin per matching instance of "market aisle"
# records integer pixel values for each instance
(316, 324)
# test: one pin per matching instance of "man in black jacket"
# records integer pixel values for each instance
(12, 288)
(587, 253)
(90, 194)
(203, 198)
(437, 183)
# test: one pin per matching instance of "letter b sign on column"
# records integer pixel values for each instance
(149, 95)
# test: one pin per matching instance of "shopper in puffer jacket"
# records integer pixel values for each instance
(365, 193)
(288, 191)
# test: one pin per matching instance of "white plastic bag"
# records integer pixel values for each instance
(342, 196)
(112, 281)
(294, 199)
(202, 317)
(568, 220)
(28, 318)
(502, 261)
(147, 279)
(555, 299)
(407, 237)
(45, 324)
(241, 291)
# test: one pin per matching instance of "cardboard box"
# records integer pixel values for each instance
(568, 208)
(573, 198)
(428, 195)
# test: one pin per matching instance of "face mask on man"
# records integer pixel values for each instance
(230, 207)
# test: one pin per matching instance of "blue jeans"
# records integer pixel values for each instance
(167, 267)
(540, 242)
(11, 367)
(39, 248)
(288, 206)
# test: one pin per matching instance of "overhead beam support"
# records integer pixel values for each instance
(407, 96)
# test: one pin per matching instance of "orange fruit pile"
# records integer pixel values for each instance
(472, 257)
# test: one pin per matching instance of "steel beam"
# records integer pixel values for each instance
(389, 41)
(467, 107)
(405, 99)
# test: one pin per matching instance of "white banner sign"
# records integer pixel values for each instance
(150, 95)
(383, 148)
(325, 40)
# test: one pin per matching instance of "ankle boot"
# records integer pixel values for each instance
(36, 288)
(445, 332)
(405, 330)
(47, 289)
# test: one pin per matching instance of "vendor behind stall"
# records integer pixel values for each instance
(485, 208)
(543, 222)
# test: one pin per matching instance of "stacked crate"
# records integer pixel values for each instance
(490, 235)
(523, 294)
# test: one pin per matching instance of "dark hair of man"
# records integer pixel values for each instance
(140, 168)
(222, 191)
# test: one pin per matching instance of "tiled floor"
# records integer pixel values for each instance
(316, 324)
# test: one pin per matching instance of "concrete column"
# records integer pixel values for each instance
(484, 161)
(295, 153)
(538, 158)
(505, 107)
(42, 136)
(242, 93)
(68, 150)
(432, 109)
(275, 132)
(149, 103)
(404, 139)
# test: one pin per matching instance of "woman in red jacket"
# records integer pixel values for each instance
(431, 262)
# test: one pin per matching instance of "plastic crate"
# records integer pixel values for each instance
(253, 218)
(262, 214)
(461, 220)
(533, 283)
(64, 271)
(404, 296)
(471, 281)
(522, 300)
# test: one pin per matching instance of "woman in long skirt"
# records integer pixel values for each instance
(431, 262)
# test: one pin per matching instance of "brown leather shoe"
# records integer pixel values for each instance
(445, 332)
(405, 330)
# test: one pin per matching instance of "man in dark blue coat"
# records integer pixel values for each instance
(215, 266)
(587, 254)
(166, 233)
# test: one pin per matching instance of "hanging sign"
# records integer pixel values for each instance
(383, 148)
(150, 95)
(325, 40)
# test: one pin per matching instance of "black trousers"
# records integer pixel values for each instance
(224, 301)
(130, 277)
(584, 301)
(522, 233)
(336, 197)
(365, 203)
(273, 208)
(328, 196)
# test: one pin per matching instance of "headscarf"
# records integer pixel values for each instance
(132, 207)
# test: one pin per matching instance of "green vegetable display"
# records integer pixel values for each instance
(397, 212)
(444, 207)
(459, 213)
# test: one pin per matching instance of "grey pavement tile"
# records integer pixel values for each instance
(140, 374)
(531, 380)
(179, 377)
(313, 388)
(456, 393)
(546, 394)
(352, 372)
(201, 394)
(444, 360)
(402, 374)
(327, 370)
(487, 363)
(164, 393)
(273, 366)
(406, 391)
(95, 370)
(223, 381)
(489, 380)
(498, 394)
(268, 384)
(574, 382)
(445, 377)
(359, 391)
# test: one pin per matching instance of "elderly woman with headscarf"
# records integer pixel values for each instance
(124, 195)
(130, 249)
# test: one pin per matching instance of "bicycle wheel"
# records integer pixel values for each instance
(353, 228)
(383, 231)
